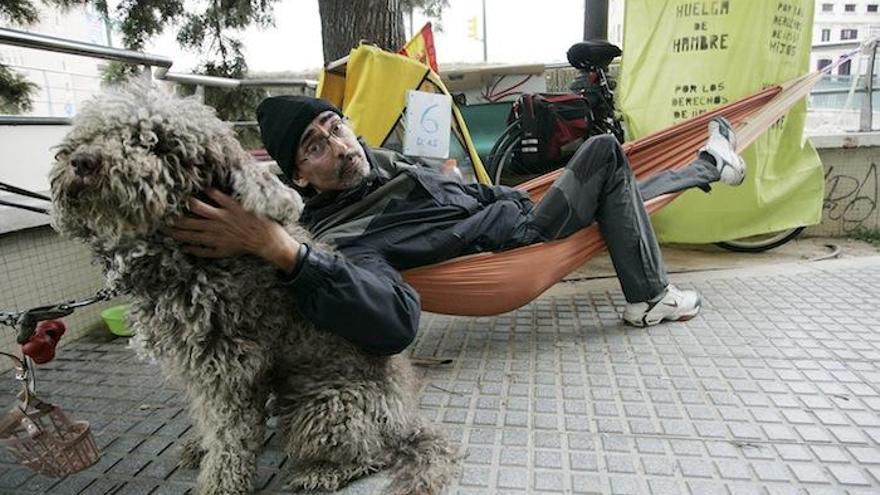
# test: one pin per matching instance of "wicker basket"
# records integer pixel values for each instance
(41, 437)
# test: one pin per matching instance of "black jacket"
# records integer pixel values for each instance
(402, 216)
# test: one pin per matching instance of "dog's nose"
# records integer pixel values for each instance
(83, 165)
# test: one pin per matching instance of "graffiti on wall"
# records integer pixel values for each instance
(851, 198)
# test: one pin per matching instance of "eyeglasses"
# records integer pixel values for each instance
(319, 147)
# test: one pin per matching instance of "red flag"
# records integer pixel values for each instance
(421, 47)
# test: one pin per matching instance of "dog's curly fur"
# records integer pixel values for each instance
(226, 329)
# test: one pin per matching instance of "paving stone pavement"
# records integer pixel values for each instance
(774, 389)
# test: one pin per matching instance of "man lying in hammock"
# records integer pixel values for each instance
(384, 213)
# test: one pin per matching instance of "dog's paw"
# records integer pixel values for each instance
(191, 453)
(325, 477)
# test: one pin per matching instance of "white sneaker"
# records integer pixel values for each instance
(721, 147)
(673, 304)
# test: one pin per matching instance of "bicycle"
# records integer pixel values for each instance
(518, 154)
(509, 162)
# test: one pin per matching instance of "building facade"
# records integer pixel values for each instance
(615, 21)
(840, 26)
(63, 81)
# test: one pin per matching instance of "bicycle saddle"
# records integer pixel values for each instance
(592, 52)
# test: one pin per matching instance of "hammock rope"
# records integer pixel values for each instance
(488, 284)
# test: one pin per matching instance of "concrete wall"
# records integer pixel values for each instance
(28, 154)
(851, 183)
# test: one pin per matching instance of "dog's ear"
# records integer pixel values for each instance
(221, 180)
(260, 191)
(193, 142)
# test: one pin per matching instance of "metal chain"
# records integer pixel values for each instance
(104, 294)
(12, 319)
(9, 319)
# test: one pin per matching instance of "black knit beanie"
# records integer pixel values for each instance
(283, 119)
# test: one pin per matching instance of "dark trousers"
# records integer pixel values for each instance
(598, 185)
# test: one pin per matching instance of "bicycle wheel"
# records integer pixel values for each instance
(506, 140)
(509, 171)
(762, 242)
(505, 166)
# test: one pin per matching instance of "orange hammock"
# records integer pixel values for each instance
(493, 283)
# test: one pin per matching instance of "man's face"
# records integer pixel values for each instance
(329, 156)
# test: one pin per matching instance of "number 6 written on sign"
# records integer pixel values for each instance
(428, 124)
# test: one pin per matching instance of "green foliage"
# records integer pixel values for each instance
(117, 72)
(21, 12)
(432, 9)
(206, 29)
(232, 105)
(15, 92)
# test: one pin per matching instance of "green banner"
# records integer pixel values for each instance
(682, 58)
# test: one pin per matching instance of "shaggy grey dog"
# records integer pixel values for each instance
(225, 329)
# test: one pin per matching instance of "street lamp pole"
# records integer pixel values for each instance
(485, 51)
(596, 19)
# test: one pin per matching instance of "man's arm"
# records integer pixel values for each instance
(230, 230)
(359, 297)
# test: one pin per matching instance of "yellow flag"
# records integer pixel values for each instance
(421, 47)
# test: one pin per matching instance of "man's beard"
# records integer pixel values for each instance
(351, 171)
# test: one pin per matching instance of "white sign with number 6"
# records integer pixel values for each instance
(428, 124)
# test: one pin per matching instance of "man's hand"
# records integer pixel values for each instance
(230, 230)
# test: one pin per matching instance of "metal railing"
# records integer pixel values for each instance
(838, 92)
(865, 121)
(157, 65)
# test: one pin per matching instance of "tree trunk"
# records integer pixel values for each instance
(344, 23)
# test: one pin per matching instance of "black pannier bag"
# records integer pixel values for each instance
(553, 127)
